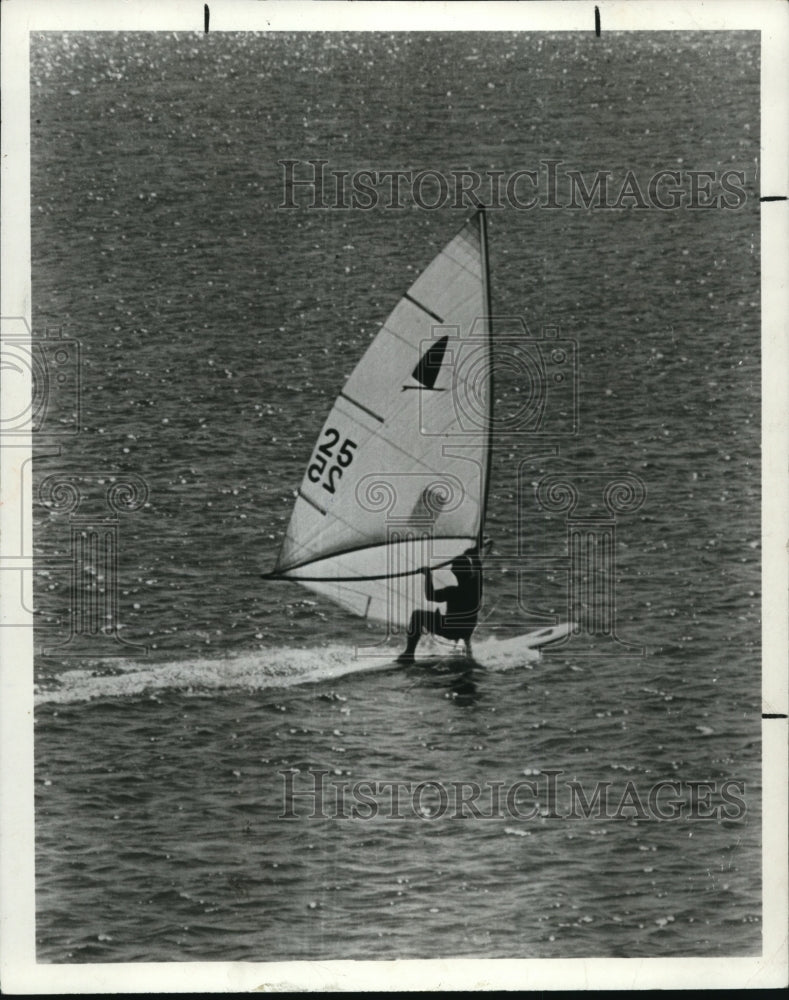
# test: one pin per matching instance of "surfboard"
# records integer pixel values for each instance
(500, 649)
(539, 638)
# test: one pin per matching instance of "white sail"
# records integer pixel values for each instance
(398, 477)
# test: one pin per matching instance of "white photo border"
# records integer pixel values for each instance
(19, 971)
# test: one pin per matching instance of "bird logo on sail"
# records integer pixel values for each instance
(426, 371)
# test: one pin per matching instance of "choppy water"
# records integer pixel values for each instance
(215, 331)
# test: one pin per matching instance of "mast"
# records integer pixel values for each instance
(483, 243)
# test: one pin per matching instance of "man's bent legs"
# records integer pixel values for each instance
(421, 621)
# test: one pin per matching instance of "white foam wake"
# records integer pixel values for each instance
(264, 668)
(504, 654)
(261, 669)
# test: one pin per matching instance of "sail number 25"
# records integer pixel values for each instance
(327, 449)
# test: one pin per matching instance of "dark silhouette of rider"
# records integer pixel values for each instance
(463, 603)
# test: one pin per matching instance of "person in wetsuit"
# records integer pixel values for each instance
(463, 603)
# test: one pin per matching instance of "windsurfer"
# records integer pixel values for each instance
(463, 603)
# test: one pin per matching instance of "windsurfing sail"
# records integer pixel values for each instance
(398, 477)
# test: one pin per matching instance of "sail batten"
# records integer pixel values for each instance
(295, 572)
(397, 480)
(424, 309)
(361, 406)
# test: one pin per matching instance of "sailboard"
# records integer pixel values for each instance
(399, 475)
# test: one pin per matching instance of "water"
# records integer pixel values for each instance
(216, 330)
